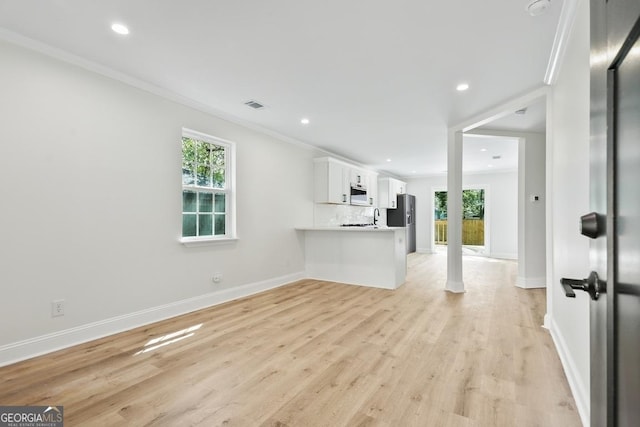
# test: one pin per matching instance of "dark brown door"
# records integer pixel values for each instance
(615, 194)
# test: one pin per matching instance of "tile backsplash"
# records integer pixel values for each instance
(326, 215)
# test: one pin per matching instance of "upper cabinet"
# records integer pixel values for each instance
(358, 177)
(388, 190)
(331, 181)
(372, 188)
(334, 179)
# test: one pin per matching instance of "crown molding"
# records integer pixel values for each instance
(70, 58)
(559, 48)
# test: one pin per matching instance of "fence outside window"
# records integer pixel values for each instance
(472, 232)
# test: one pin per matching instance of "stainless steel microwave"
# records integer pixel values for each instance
(359, 195)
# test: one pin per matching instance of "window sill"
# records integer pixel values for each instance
(189, 242)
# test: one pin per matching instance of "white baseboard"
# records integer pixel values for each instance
(531, 282)
(37, 346)
(425, 251)
(503, 255)
(547, 321)
(580, 393)
(455, 287)
(352, 283)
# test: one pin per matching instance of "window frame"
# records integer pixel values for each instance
(229, 190)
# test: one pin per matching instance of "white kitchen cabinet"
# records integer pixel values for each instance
(372, 189)
(358, 177)
(388, 190)
(331, 181)
(368, 180)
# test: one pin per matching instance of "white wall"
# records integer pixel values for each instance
(502, 209)
(328, 215)
(569, 127)
(532, 214)
(91, 195)
(502, 204)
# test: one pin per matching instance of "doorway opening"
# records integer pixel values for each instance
(473, 220)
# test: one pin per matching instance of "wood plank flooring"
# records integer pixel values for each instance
(322, 354)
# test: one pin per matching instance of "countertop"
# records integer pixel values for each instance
(338, 228)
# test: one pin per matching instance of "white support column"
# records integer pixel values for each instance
(454, 213)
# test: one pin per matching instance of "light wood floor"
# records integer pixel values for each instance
(323, 354)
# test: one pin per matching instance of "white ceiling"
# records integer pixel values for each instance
(531, 120)
(375, 78)
(489, 153)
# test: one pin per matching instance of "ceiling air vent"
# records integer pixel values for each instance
(521, 111)
(496, 157)
(254, 104)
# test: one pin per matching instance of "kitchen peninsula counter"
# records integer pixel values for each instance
(366, 256)
(352, 228)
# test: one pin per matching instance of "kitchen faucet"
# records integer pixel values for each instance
(375, 219)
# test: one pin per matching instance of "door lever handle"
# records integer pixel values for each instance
(570, 284)
(592, 285)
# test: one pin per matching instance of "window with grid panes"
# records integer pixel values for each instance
(206, 187)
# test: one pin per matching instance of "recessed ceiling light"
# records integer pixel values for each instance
(304, 121)
(388, 160)
(413, 171)
(462, 87)
(120, 29)
(489, 166)
(483, 149)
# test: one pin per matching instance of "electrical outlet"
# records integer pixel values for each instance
(57, 308)
(217, 278)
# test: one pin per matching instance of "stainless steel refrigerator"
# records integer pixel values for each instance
(405, 216)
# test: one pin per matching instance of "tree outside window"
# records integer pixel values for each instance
(205, 186)
(472, 204)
